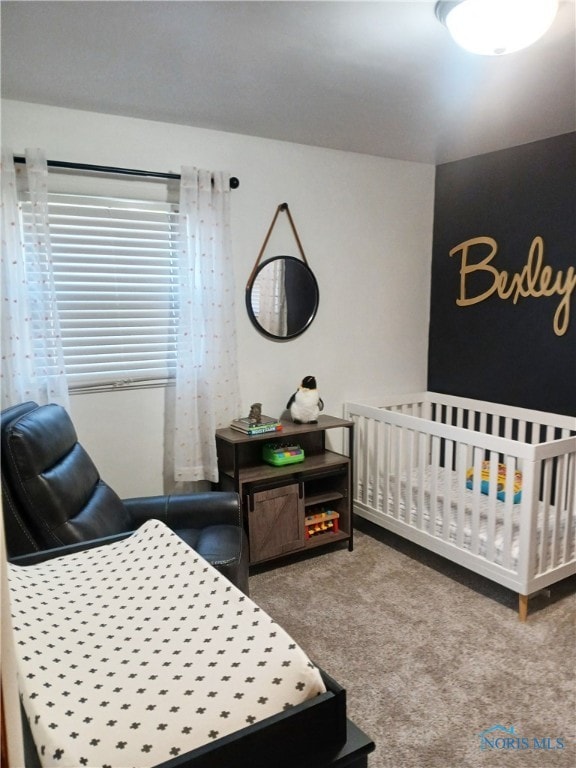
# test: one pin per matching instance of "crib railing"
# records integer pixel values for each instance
(406, 465)
(510, 422)
(522, 424)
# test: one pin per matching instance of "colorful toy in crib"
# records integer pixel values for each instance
(320, 522)
(500, 481)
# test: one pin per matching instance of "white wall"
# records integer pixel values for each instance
(366, 227)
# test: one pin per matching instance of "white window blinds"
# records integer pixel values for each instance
(115, 271)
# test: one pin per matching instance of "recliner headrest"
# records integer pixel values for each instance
(38, 439)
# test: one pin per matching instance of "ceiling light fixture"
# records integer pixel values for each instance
(496, 27)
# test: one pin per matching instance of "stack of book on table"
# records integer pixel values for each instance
(252, 427)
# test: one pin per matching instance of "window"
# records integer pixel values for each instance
(115, 273)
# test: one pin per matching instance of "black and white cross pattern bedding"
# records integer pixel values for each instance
(139, 651)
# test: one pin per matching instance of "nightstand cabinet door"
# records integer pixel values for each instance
(275, 522)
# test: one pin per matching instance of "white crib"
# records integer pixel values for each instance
(431, 467)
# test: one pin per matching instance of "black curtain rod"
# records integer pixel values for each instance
(234, 182)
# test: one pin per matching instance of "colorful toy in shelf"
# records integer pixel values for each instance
(320, 522)
(280, 454)
(305, 404)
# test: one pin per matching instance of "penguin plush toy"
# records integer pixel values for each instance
(305, 404)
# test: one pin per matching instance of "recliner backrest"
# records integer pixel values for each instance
(19, 539)
(50, 484)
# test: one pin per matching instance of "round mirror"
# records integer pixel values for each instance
(282, 298)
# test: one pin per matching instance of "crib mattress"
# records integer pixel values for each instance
(441, 519)
(133, 653)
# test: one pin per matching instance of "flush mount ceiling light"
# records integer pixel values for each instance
(496, 27)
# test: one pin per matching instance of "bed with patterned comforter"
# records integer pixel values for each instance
(139, 651)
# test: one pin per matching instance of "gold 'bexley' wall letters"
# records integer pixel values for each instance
(534, 280)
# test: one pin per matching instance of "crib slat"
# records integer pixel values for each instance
(459, 417)
(522, 430)
(373, 496)
(422, 464)
(557, 507)
(380, 480)
(385, 489)
(569, 504)
(461, 466)
(434, 470)
(510, 509)
(394, 489)
(376, 448)
(410, 468)
(365, 432)
(482, 423)
(396, 440)
(508, 515)
(448, 462)
(492, 497)
(544, 521)
(363, 451)
(360, 452)
(476, 490)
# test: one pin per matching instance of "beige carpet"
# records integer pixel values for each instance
(432, 655)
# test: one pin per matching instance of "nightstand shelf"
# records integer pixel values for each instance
(277, 499)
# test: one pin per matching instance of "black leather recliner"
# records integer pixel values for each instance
(53, 496)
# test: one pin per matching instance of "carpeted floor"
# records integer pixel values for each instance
(432, 655)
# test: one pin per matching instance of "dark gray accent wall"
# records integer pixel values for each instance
(505, 248)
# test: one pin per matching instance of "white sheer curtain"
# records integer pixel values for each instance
(273, 309)
(32, 358)
(207, 390)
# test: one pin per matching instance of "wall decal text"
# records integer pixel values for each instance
(535, 279)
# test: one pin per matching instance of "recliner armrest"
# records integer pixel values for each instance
(194, 510)
(33, 558)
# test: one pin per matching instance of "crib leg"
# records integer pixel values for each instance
(522, 607)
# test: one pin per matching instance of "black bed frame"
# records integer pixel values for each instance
(314, 734)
